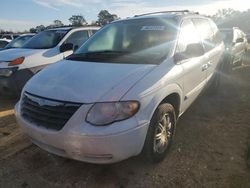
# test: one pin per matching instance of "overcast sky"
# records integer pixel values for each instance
(18, 15)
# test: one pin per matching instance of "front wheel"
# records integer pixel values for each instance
(160, 133)
(215, 84)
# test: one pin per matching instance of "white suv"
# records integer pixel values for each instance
(18, 65)
(122, 92)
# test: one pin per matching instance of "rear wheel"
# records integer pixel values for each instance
(228, 64)
(160, 133)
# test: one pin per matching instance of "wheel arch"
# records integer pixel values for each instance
(175, 100)
(171, 94)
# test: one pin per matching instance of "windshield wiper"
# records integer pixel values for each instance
(96, 55)
(108, 52)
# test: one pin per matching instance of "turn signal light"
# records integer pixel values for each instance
(17, 61)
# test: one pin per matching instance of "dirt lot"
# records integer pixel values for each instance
(209, 150)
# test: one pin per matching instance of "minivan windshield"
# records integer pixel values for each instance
(136, 41)
(46, 39)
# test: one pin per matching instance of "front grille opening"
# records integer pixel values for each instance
(47, 113)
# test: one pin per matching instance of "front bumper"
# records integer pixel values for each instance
(80, 141)
(13, 84)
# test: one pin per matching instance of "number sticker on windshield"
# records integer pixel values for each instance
(153, 28)
(61, 32)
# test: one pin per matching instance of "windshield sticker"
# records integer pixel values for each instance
(61, 32)
(153, 28)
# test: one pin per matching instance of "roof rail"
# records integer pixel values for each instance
(170, 11)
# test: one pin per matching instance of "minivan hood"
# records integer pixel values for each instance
(86, 82)
(11, 54)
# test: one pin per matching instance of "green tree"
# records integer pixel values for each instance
(223, 14)
(104, 17)
(57, 23)
(40, 28)
(32, 30)
(77, 20)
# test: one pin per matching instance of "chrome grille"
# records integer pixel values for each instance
(47, 113)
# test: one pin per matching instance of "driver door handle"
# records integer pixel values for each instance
(205, 67)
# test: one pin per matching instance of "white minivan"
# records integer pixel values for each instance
(122, 92)
(18, 65)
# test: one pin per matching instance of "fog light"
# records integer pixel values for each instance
(6, 72)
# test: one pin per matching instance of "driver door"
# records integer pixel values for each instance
(194, 70)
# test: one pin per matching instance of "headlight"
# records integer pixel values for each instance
(110, 112)
(6, 72)
(16, 61)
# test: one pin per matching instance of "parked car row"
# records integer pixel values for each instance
(116, 94)
(17, 42)
(9, 37)
(5, 39)
(236, 46)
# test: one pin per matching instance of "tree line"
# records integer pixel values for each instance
(104, 17)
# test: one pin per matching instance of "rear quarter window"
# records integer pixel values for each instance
(217, 37)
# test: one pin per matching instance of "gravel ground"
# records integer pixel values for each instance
(209, 150)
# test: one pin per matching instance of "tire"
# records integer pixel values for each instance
(228, 64)
(160, 133)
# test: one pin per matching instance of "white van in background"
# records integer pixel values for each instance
(17, 66)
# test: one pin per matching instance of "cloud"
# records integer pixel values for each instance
(45, 4)
(56, 4)
(138, 5)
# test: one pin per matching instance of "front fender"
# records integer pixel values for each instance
(151, 100)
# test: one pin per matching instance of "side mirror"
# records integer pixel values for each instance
(239, 40)
(179, 57)
(75, 48)
(192, 50)
(66, 47)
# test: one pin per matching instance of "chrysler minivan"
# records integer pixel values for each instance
(122, 92)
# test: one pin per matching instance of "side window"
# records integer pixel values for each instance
(217, 37)
(206, 33)
(188, 35)
(77, 38)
